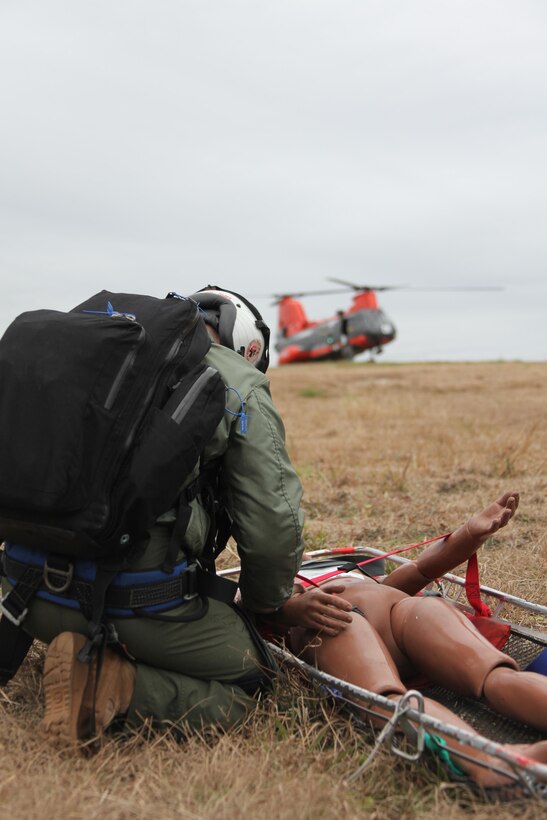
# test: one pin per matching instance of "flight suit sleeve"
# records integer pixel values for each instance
(262, 494)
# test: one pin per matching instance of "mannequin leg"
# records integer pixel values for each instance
(359, 656)
(447, 553)
(519, 695)
(444, 645)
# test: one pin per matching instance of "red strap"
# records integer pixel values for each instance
(403, 549)
(309, 582)
(473, 588)
(494, 631)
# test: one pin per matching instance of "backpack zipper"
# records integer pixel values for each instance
(122, 372)
(187, 400)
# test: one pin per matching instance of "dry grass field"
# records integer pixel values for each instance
(388, 455)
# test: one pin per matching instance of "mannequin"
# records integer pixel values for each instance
(377, 635)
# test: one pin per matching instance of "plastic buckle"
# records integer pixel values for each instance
(16, 620)
(191, 574)
(51, 572)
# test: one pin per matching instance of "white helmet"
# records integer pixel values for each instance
(237, 322)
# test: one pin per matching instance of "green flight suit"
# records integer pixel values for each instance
(198, 671)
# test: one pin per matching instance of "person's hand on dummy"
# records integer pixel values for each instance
(321, 609)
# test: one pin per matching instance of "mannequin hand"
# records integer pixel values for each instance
(318, 609)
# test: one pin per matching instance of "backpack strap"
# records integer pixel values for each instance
(14, 605)
(215, 586)
(99, 633)
(206, 486)
(184, 512)
(224, 530)
(14, 641)
(221, 523)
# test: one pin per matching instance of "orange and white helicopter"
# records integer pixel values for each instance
(363, 326)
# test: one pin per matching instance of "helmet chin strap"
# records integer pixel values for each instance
(215, 337)
(212, 333)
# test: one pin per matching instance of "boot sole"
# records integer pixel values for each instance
(65, 679)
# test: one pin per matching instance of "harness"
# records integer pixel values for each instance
(71, 584)
(96, 591)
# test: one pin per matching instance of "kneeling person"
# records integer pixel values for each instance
(186, 666)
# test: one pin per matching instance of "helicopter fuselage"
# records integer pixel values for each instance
(363, 327)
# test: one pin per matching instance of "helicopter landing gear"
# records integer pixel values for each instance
(347, 353)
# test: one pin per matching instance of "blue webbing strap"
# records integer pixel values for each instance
(129, 591)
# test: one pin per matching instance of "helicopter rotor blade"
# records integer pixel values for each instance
(353, 286)
(301, 294)
(457, 287)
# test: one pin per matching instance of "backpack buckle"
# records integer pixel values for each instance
(57, 579)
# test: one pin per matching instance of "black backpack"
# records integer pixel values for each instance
(104, 413)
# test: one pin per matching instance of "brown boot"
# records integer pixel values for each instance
(69, 688)
(114, 692)
(65, 679)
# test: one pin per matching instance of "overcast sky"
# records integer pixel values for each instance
(266, 145)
